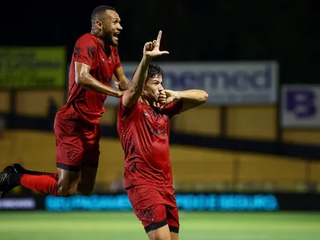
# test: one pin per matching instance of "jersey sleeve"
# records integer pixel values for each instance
(116, 57)
(124, 112)
(84, 51)
(173, 108)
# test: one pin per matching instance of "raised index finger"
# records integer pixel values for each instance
(159, 37)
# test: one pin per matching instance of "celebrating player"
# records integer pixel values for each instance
(143, 129)
(95, 62)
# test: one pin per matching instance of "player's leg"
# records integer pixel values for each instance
(170, 230)
(161, 233)
(69, 156)
(62, 184)
(148, 205)
(87, 180)
(172, 213)
(91, 160)
(78, 178)
(156, 228)
(67, 182)
(19, 169)
(69, 159)
(173, 222)
(174, 236)
(9, 179)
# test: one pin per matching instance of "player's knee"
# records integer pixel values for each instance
(84, 189)
(162, 233)
(161, 237)
(67, 183)
(65, 191)
(85, 193)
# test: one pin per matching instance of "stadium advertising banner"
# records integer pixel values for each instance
(32, 67)
(300, 106)
(21, 203)
(187, 202)
(226, 83)
(193, 202)
(210, 202)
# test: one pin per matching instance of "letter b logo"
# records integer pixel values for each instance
(302, 103)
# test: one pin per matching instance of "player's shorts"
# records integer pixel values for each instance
(77, 143)
(155, 207)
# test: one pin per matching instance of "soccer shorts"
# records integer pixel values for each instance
(155, 207)
(77, 143)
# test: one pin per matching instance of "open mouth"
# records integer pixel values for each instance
(115, 35)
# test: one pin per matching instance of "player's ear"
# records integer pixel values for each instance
(146, 84)
(99, 24)
(144, 88)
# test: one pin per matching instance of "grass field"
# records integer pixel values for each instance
(124, 225)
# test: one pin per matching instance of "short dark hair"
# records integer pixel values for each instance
(99, 11)
(153, 70)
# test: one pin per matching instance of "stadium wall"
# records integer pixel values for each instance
(233, 128)
(211, 169)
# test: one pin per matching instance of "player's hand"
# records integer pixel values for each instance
(152, 49)
(170, 97)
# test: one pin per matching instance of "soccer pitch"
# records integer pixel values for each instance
(124, 225)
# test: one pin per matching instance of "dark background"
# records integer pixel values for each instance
(215, 30)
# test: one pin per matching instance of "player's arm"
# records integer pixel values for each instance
(120, 79)
(86, 80)
(190, 98)
(150, 50)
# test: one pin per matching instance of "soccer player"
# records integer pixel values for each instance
(95, 62)
(144, 131)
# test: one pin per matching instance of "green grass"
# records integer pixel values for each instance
(124, 225)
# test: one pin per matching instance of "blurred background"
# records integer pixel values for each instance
(254, 146)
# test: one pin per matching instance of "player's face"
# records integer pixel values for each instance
(152, 88)
(111, 28)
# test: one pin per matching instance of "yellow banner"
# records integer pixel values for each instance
(32, 67)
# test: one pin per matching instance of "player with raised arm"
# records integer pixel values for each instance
(95, 62)
(144, 131)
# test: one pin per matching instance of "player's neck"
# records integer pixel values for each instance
(147, 102)
(144, 101)
(105, 45)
